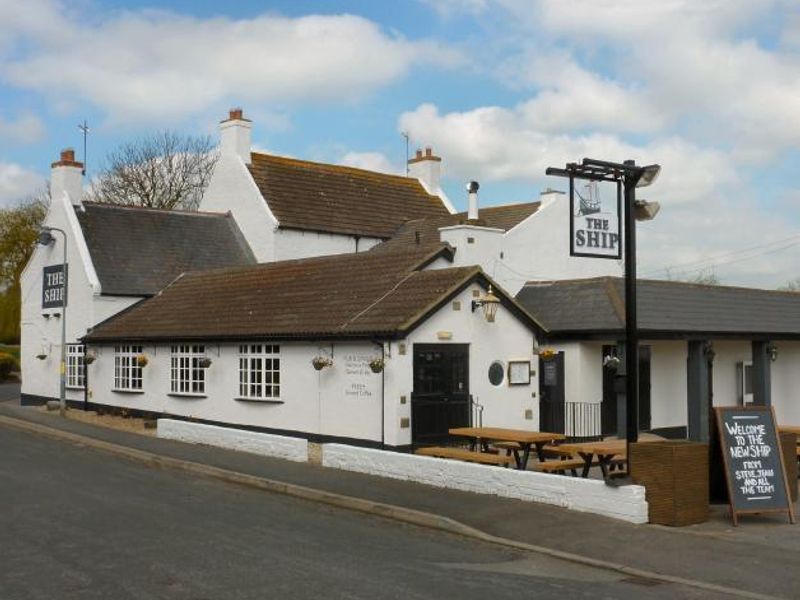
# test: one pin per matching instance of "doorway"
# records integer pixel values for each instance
(552, 396)
(608, 410)
(440, 400)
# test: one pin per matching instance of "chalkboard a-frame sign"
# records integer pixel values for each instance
(753, 459)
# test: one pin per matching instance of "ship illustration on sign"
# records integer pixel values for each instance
(590, 203)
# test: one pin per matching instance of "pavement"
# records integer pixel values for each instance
(758, 559)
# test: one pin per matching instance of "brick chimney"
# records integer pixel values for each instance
(427, 168)
(235, 135)
(66, 177)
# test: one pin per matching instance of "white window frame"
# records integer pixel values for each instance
(187, 377)
(127, 372)
(76, 367)
(260, 372)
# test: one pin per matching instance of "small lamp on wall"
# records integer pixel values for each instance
(489, 304)
(772, 352)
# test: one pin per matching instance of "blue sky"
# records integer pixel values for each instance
(500, 89)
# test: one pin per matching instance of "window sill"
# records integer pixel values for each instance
(186, 395)
(120, 391)
(75, 388)
(259, 400)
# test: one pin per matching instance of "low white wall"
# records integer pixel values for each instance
(265, 444)
(587, 495)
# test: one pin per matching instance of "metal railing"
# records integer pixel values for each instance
(582, 421)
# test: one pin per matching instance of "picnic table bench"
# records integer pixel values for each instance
(485, 458)
(480, 437)
(560, 466)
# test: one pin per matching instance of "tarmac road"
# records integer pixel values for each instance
(77, 523)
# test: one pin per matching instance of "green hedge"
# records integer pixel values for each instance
(8, 364)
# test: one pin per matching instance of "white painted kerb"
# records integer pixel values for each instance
(265, 444)
(587, 495)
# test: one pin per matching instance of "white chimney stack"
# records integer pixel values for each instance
(472, 189)
(66, 177)
(235, 135)
(427, 168)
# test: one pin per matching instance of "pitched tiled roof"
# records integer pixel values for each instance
(665, 308)
(344, 296)
(424, 233)
(137, 251)
(330, 198)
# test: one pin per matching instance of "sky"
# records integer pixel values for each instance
(500, 89)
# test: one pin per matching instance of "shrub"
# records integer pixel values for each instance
(8, 364)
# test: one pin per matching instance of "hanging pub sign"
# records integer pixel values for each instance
(753, 461)
(54, 288)
(595, 219)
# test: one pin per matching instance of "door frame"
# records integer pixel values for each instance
(449, 409)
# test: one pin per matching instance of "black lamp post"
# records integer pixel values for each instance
(631, 176)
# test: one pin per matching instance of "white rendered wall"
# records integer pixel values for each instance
(264, 444)
(627, 503)
(290, 244)
(41, 329)
(537, 249)
(233, 190)
(728, 353)
(343, 400)
(583, 371)
(668, 384)
(504, 340)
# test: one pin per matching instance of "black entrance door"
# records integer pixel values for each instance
(608, 410)
(552, 396)
(440, 399)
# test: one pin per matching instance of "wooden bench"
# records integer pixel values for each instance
(560, 466)
(485, 458)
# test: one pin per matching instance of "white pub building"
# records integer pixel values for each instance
(334, 303)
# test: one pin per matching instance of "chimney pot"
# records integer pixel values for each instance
(235, 114)
(419, 153)
(68, 155)
(428, 151)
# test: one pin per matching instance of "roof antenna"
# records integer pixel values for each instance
(405, 135)
(84, 127)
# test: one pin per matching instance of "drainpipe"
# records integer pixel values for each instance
(383, 393)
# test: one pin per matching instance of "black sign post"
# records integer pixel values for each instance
(753, 460)
(54, 286)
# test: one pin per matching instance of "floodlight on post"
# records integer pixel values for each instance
(45, 239)
(631, 176)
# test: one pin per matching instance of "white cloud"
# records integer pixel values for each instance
(27, 128)
(371, 161)
(162, 65)
(693, 65)
(16, 183)
(499, 144)
(450, 8)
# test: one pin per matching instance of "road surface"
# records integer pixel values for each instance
(77, 523)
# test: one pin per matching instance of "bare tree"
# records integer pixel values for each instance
(164, 170)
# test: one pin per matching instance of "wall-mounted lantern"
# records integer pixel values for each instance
(772, 352)
(489, 304)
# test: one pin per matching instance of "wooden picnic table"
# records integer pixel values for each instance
(604, 450)
(795, 429)
(481, 436)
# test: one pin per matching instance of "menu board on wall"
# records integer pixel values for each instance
(753, 460)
